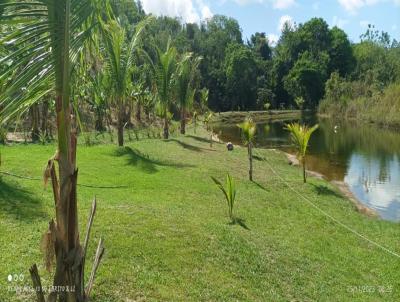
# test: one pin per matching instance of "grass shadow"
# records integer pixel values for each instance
(324, 190)
(19, 203)
(240, 222)
(144, 162)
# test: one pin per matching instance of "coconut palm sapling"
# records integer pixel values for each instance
(300, 136)
(248, 129)
(229, 192)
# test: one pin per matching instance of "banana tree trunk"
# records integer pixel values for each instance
(250, 153)
(183, 121)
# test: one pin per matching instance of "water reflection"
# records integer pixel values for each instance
(365, 157)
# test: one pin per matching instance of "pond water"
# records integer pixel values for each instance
(364, 156)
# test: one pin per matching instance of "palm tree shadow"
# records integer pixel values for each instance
(144, 162)
(258, 158)
(185, 145)
(324, 190)
(260, 186)
(240, 222)
(20, 203)
(202, 139)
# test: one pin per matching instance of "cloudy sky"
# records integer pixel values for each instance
(268, 15)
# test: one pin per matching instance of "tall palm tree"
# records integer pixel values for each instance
(185, 85)
(164, 69)
(120, 58)
(249, 129)
(300, 136)
(47, 35)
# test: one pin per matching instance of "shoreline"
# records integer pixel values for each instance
(340, 185)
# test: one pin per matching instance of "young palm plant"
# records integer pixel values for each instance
(249, 129)
(47, 35)
(164, 70)
(185, 85)
(300, 136)
(229, 192)
(120, 58)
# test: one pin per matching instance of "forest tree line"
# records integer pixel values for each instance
(256, 75)
(212, 67)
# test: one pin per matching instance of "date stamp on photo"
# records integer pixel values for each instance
(370, 289)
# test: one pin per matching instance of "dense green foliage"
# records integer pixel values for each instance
(372, 91)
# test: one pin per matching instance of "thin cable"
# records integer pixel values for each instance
(40, 179)
(327, 214)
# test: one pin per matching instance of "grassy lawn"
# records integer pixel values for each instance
(167, 233)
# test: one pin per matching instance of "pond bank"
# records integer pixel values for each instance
(340, 185)
(258, 116)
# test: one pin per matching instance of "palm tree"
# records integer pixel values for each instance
(120, 58)
(47, 35)
(164, 70)
(249, 129)
(300, 135)
(185, 90)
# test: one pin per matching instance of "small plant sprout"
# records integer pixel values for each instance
(300, 136)
(249, 129)
(229, 192)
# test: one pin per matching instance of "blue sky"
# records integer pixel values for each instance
(353, 16)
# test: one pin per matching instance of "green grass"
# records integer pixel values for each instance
(168, 237)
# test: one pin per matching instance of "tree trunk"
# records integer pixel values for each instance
(138, 113)
(99, 121)
(304, 170)
(120, 126)
(127, 115)
(183, 122)
(65, 231)
(166, 127)
(45, 118)
(250, 153)
(35, 133)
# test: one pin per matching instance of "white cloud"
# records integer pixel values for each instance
(339, 22)
(277, 4)
(185, 9)
(394, 27)
(352, 6)
(273, 39)
(284, 4)
(283, 20)
(206, 13)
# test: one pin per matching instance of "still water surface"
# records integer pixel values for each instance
(365, 157)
